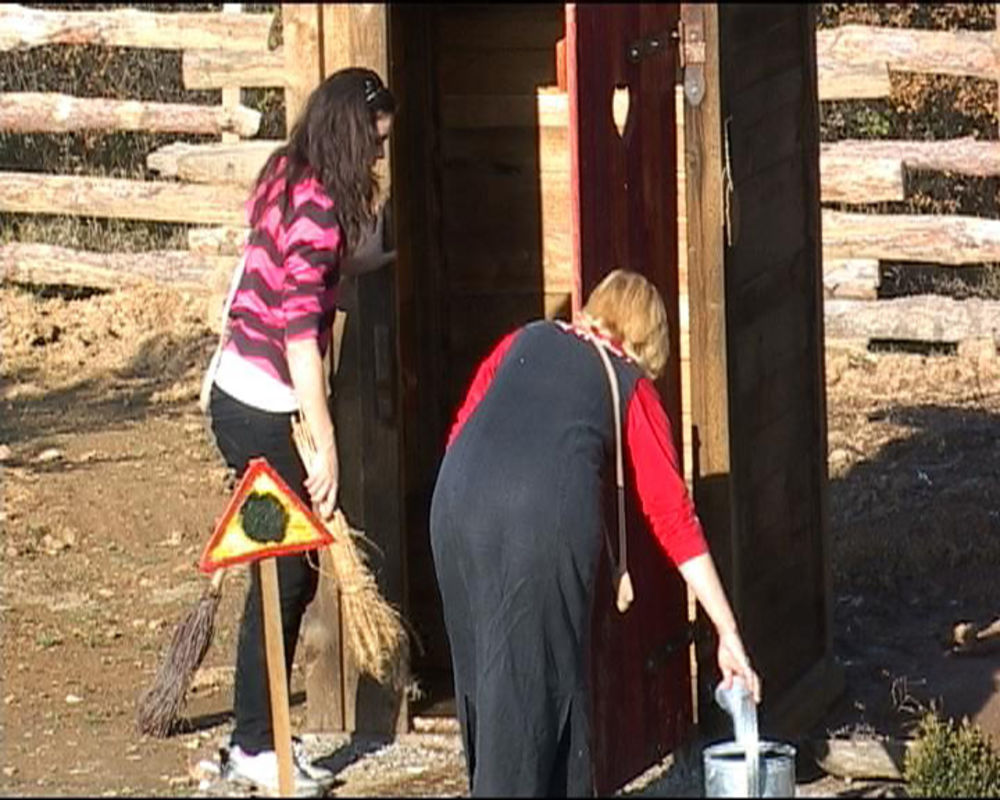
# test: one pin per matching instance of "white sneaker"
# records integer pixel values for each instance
(261, 769)
(301, 758)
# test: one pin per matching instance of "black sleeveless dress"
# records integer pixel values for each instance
(516, 528)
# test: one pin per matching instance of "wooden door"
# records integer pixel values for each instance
(779, 559)
(625, 215)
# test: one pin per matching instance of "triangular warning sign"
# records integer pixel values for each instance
(264, 518)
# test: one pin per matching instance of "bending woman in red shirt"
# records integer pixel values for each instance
(311, 216)
(516, 527)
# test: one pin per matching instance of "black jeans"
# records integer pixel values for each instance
(241, 433)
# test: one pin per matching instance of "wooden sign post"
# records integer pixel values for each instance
(265, 519)
(274, 645)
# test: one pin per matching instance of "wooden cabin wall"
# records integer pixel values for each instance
(499, 224)
(494, 249)
(774, 338)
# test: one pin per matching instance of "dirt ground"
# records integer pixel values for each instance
(111, 487)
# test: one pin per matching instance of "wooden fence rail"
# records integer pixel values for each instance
(37, 112)
(927, 238)
(33, 193)
(23, 27)
(24, 262)
(205, 184)
(214, 69)
(921, 318)
(213, 162)
(965, 156)
(971, 53)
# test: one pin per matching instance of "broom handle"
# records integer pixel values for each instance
(217, 578)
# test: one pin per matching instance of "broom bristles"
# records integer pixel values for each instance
(160, 705)
(374, 628)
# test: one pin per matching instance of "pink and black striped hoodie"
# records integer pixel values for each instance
(288, 292)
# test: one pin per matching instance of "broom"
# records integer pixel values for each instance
(160, 705)
(375, 630)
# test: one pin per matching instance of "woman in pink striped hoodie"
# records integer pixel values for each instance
(312, 215)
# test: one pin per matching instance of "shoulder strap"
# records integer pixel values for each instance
(619, 465)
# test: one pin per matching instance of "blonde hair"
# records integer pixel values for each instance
(627, 308)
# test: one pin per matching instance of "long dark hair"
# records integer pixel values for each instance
(336, 139)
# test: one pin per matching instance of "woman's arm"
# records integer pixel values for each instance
(700, 574)
(667, 507)
(306, 368)
(312, 261)
(369, 255)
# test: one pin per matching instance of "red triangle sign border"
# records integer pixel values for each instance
(255, 467)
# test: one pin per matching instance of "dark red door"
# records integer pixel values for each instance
(625, 215)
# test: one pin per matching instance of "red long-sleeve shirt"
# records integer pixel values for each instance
(649, 447)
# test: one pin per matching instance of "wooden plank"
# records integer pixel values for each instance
(544, 108)
(231, 94)
(303, 58)
(43, 112)
(963, 156)
(224, 240)
(930, 238)
(848, 180)
(23, 262)
(920, 318)
(526, 150)
(703, 169)
(839, 79)
(493, 72)
(856, 278)
(77, 195)
(762, 52)
(217, 69)
(22, 27)
(367, 410)
(969, 53)
(761, 203)
(213, 162)
(501, 27)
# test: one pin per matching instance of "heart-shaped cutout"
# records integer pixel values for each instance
(620, 107)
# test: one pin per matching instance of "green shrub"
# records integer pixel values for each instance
(949, 760)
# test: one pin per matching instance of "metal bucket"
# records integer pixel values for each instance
(726, 770)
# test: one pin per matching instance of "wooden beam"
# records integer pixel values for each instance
(839, 79)
(367, 418)
(231, 94)
(22, 27)
(969, 53)
(964, 156)
(217, 69)
(856, 278)
(920, 318)
(549, 107)
(303, 59)
(356, 35)
(928, 238)
(23, 262)
(223, 240)
(41, 112)
(844, 179)
(237, 163)
(705, 259)
(77, 195)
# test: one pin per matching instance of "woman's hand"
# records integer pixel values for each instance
(323, 480)
(733, 663)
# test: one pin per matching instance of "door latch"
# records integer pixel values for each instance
(691, 32)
